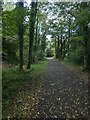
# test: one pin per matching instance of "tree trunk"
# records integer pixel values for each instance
(21, 47)
(89, 53)
(55, 46)
(86, 49)
(20, 19)
(61, 44)
(64, 50)
(35, 41)
(69, 35)
(43, 42)
(31, 32)
(36, 35)
(89, 61)
(58, 48)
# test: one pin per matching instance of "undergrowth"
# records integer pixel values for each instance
(13, 79)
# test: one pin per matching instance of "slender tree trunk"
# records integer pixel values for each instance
(35, 40)
(20, 9)
(61, 44)
(36, 34)
(39, 37)
(64, 50)
(31, 32)
(88, 48)
(21, 47)
(43, 42)
(86, 52)
(55, 46)
(89, 52)
(69, 35)
(58, 48)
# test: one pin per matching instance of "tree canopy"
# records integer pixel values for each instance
(26, 29)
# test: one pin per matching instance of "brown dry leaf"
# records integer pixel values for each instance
(68, 116)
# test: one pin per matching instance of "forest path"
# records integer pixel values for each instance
(62, 95)
(58, 93)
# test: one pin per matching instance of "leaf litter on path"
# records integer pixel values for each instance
(60, 93)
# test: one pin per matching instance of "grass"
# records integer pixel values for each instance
(39, 67)
(70, 63)
(73, 65)
(78, 69)
(13, 79)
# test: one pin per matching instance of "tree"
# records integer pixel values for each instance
(20, 20)
(84, 13)
(9, 37)
(33, 13)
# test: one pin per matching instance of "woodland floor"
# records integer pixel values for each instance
(60, 93)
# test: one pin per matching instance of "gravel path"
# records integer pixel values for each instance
(62, 95)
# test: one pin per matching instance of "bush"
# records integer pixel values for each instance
(40, 55)
(49, 53)
(77, 56)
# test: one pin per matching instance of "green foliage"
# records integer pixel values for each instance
(63, 20)
(76, 56)
(77, 38)
(40, 55)
(9, 23)
(13, 79)
(49, 53)
(9, 31)
(9, 51)
(83, 17)
(39, 67)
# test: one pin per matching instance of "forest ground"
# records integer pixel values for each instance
(59, 93)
